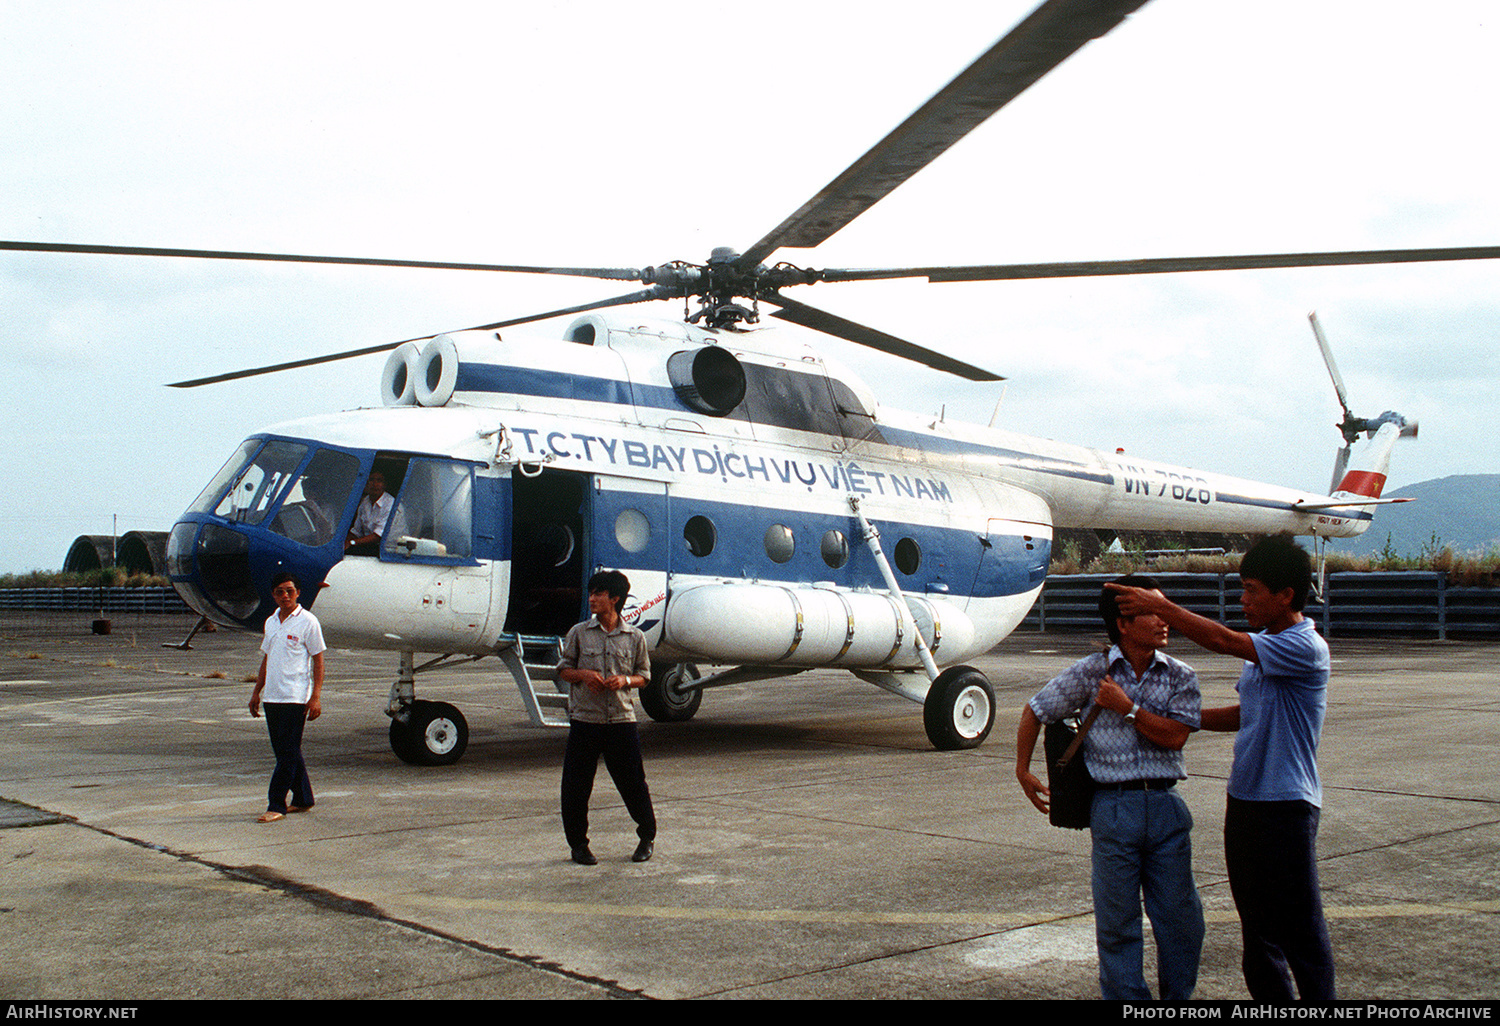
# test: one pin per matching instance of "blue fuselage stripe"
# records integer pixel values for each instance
(493, 378)
(500, 379)
(952, 561)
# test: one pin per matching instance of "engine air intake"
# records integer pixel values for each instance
(709, 380)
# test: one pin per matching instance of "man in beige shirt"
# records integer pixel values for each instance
(602, 659)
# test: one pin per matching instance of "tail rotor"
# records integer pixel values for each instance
(1360, 487)
(1351, 426)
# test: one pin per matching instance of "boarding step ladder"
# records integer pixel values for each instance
(532, 661)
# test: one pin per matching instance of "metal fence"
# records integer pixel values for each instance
(1418, 602)
(107, 600)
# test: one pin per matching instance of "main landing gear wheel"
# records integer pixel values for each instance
(959, 710)
(665, 699)
(429, 734)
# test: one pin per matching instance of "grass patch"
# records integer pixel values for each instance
(105, 577)
(1480, 568)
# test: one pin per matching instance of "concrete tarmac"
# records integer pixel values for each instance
(812, 844)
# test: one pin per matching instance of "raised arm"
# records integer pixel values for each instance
(1211, 634)
(1225, 718)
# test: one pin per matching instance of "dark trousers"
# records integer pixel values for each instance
(620, 744)
(1270, 850)
(284, 721)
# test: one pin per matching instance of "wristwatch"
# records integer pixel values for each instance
(1134, 708)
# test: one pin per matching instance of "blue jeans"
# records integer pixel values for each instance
(1143, 848)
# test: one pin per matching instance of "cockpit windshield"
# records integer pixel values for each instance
(263, 473)
(255, 487)
(209, 497)
(280, 503)
(315, 502)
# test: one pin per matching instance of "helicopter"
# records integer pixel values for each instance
(772, 515)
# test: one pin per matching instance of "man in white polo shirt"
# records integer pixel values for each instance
(291, 684)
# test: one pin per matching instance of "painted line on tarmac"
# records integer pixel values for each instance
(162, 694)
(1408, 909)
(789, 915)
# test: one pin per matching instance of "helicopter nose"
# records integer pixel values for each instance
(209, 565)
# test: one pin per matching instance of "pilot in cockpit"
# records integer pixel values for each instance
(369, 521)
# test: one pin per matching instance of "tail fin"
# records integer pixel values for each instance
(1371, 459)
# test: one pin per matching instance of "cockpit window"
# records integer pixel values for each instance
(261, 482)
(314, 504)
(209, 497)
(434, 514)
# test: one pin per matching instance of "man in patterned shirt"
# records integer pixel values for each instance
(1141, 828)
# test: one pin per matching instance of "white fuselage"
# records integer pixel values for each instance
(736, 528)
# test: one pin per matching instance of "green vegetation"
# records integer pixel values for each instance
(106, 577)
(1481, 567)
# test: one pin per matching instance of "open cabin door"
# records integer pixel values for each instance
(549, 552)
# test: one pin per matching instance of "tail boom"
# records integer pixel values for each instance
(1091, 488)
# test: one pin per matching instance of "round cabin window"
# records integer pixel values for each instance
(700, 535)
(908, 556)
(779, 543)
(835, 549)
(632, 530)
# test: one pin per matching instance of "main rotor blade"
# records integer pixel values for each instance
(634, 297)
(615, 273)
(832, 324)
(1044, 40)
(1161, 265)
(643, 296)
(293, 365)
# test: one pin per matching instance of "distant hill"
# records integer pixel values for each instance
(1463, 511)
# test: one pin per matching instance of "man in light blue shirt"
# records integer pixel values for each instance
(1275, 794)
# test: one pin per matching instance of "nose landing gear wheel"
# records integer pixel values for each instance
(959, 710)
(432, 734)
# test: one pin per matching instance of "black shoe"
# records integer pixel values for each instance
(584, 857)
(643, 851)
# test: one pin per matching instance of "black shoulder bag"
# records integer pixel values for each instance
(1069, 784)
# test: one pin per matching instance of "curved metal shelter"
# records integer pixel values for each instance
(90, 552)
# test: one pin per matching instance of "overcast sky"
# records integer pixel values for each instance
(601, 133)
